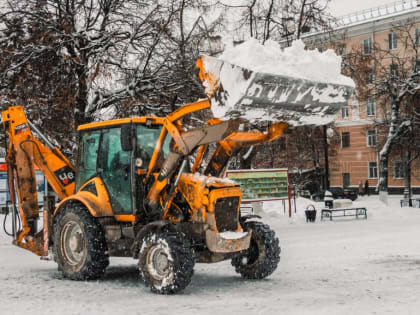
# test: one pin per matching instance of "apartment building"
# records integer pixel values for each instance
(356, 158)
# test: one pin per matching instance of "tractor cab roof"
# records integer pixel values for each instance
(122, 121)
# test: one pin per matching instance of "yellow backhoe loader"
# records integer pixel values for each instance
(133, 194)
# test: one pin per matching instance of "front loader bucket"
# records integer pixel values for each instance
(238, 92)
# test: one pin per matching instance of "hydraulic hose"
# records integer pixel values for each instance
(17, 221)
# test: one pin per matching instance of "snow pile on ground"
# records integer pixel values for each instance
(263, 82)
(294, 61)
(278, 208)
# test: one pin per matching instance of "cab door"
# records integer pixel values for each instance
(88, 154)
(114, 167)
(147, 139)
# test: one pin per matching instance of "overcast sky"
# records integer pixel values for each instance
(343, 7)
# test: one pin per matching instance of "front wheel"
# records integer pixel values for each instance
(166, 262)
(263, 255)
(79, 244)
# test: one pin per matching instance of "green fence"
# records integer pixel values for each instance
(269, 184)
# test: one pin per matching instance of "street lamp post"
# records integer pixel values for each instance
(327, 170)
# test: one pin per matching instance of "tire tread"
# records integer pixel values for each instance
(272, 253)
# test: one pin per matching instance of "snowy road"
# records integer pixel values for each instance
(344, 267)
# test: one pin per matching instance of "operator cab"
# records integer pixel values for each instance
(119, 152)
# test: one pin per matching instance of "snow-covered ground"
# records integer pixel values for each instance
(342, 267)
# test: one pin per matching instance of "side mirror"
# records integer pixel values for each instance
(127, 134)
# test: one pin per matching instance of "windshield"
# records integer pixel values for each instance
(147, 138)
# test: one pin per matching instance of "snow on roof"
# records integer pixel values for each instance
(365, 16)
(382, 11)
(359, 122)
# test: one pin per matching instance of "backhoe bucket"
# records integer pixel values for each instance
(238, 92)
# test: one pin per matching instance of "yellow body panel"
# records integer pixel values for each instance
(125, 217)
(222, 193)
(201, 199)
(98, 205)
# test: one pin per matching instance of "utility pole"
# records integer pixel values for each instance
(327, 170)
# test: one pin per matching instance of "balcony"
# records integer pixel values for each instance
(378, 12)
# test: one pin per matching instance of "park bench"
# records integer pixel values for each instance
(247, 209)
(414, 202)
(331, 213)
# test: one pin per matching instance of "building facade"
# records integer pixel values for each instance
(356, 158)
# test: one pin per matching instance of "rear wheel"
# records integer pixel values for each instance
(166, 262)
(79, 244)
(263, 255)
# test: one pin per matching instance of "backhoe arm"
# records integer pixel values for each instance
(23, 153)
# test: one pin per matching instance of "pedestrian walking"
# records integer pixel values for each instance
(361, 191)
(367, 188)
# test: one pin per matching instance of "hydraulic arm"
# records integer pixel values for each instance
(185, 142)
(230, 146)
(225, 133)
(23, 153)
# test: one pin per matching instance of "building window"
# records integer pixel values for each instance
(371, 138)
(416, 65)
(344, 112)
(393, 69)
(417, 36)
(392, 41)
(373, 170)
(345, 139)
(354, 101)
(370, 77)
(370, 108)
(398, 169)
(346, 180)
(367, 46)
(341, 50)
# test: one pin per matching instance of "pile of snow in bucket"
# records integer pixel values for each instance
(293, 61)
(265, 82)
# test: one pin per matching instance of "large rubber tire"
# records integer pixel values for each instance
(263, 255)
(79, 244)
(166, 262)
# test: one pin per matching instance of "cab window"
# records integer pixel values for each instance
(87, 157)
(114, 165)
(147, 138)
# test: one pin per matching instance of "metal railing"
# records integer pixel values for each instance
(377, 12)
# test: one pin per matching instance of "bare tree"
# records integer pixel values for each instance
(301, 150)
(74, 61)
(284, 20)
(304, 16)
